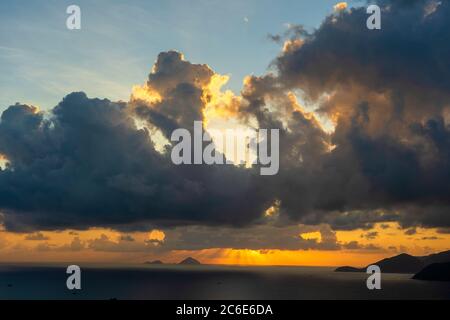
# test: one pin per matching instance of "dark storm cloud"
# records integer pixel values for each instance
(411, 49)
(258, 237)
(389, 90)
(431, 238)
(388, 158)
(179, 83)
(88, 165)
(370, 235)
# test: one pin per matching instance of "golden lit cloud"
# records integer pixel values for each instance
(340, 6)
(221, 117)
(273, 210)
(146, 94)
(218, 104)
(292, 45)
(157, 235)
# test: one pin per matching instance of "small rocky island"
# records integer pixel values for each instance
(190, 261)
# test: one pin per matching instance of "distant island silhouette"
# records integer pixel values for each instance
(190, 261)
(434, 272)
(187, 261)
(432, 267)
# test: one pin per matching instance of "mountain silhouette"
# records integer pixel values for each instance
(436, 257)
(190, 261)
(434, 272)
(349, 269)
(403, 263)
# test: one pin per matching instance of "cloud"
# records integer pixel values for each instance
(370, 235)
(43, 247)
(127, 237)
(267, 236)
(38, 236)
(411, 231)
(3, 242)
(387, 93)
(87, 163)
(355, 245)
(105, 244)
(431, 238)
(178, 86)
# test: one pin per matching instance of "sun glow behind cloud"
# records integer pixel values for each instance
(145, 93)
(220, 116)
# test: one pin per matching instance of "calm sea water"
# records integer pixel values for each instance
(208, 282)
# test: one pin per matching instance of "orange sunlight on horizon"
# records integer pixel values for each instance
(357, 247)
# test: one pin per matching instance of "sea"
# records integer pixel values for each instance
(182, 282)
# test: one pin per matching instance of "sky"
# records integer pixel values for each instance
(119, 41)
(363, 116)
